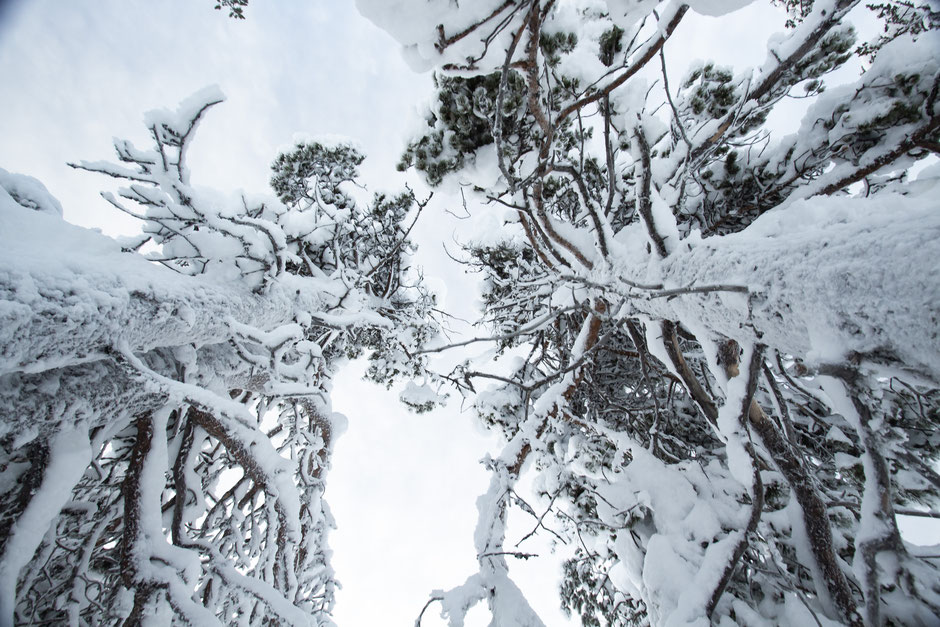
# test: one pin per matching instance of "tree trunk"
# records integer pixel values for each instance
(820, 292)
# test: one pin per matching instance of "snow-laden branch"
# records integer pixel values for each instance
(851, 275)
(68, 455)
(186, 507)
(70, 295)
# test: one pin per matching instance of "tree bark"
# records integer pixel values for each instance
(814, 513)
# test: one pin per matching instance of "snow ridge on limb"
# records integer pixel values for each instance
(29, 192)
(687, 215)
(822, 263)
(122, 297)
(200, 374)
(492, 583)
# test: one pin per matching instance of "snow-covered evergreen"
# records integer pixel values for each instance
(165, 419)
(711, 347)
(718, 345)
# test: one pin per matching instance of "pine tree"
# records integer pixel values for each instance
(167, 427)
(727, 387)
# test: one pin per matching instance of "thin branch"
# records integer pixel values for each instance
(640, 63)
(443, 42)
(426, 606)
(644, 194)
(532, 327)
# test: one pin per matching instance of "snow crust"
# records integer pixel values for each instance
(418, 33)
(52, 272)
(850, 273)
(28, 192)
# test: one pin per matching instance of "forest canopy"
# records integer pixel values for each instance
(712, 346)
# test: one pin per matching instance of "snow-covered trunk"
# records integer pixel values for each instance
(742, 460)
(878, 530)
(833, 280)
(36, 404)
(831, 583)
(58, 470)
(73, 299)
(160, 575)
(142, 492)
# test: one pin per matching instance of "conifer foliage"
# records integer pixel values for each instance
(166, 419)
(721, 340)
(716, 344)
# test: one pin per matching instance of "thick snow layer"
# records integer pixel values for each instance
(68, 295)
(416, 27)
(716, 8)
(825, 277)
(29, 192)
(663, 561)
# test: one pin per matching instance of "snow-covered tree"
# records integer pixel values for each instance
(721, 342)
(165, 420)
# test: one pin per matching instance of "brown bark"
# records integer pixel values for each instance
(593, 323)
(144, 590)
(814, 513)
(692, 385)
